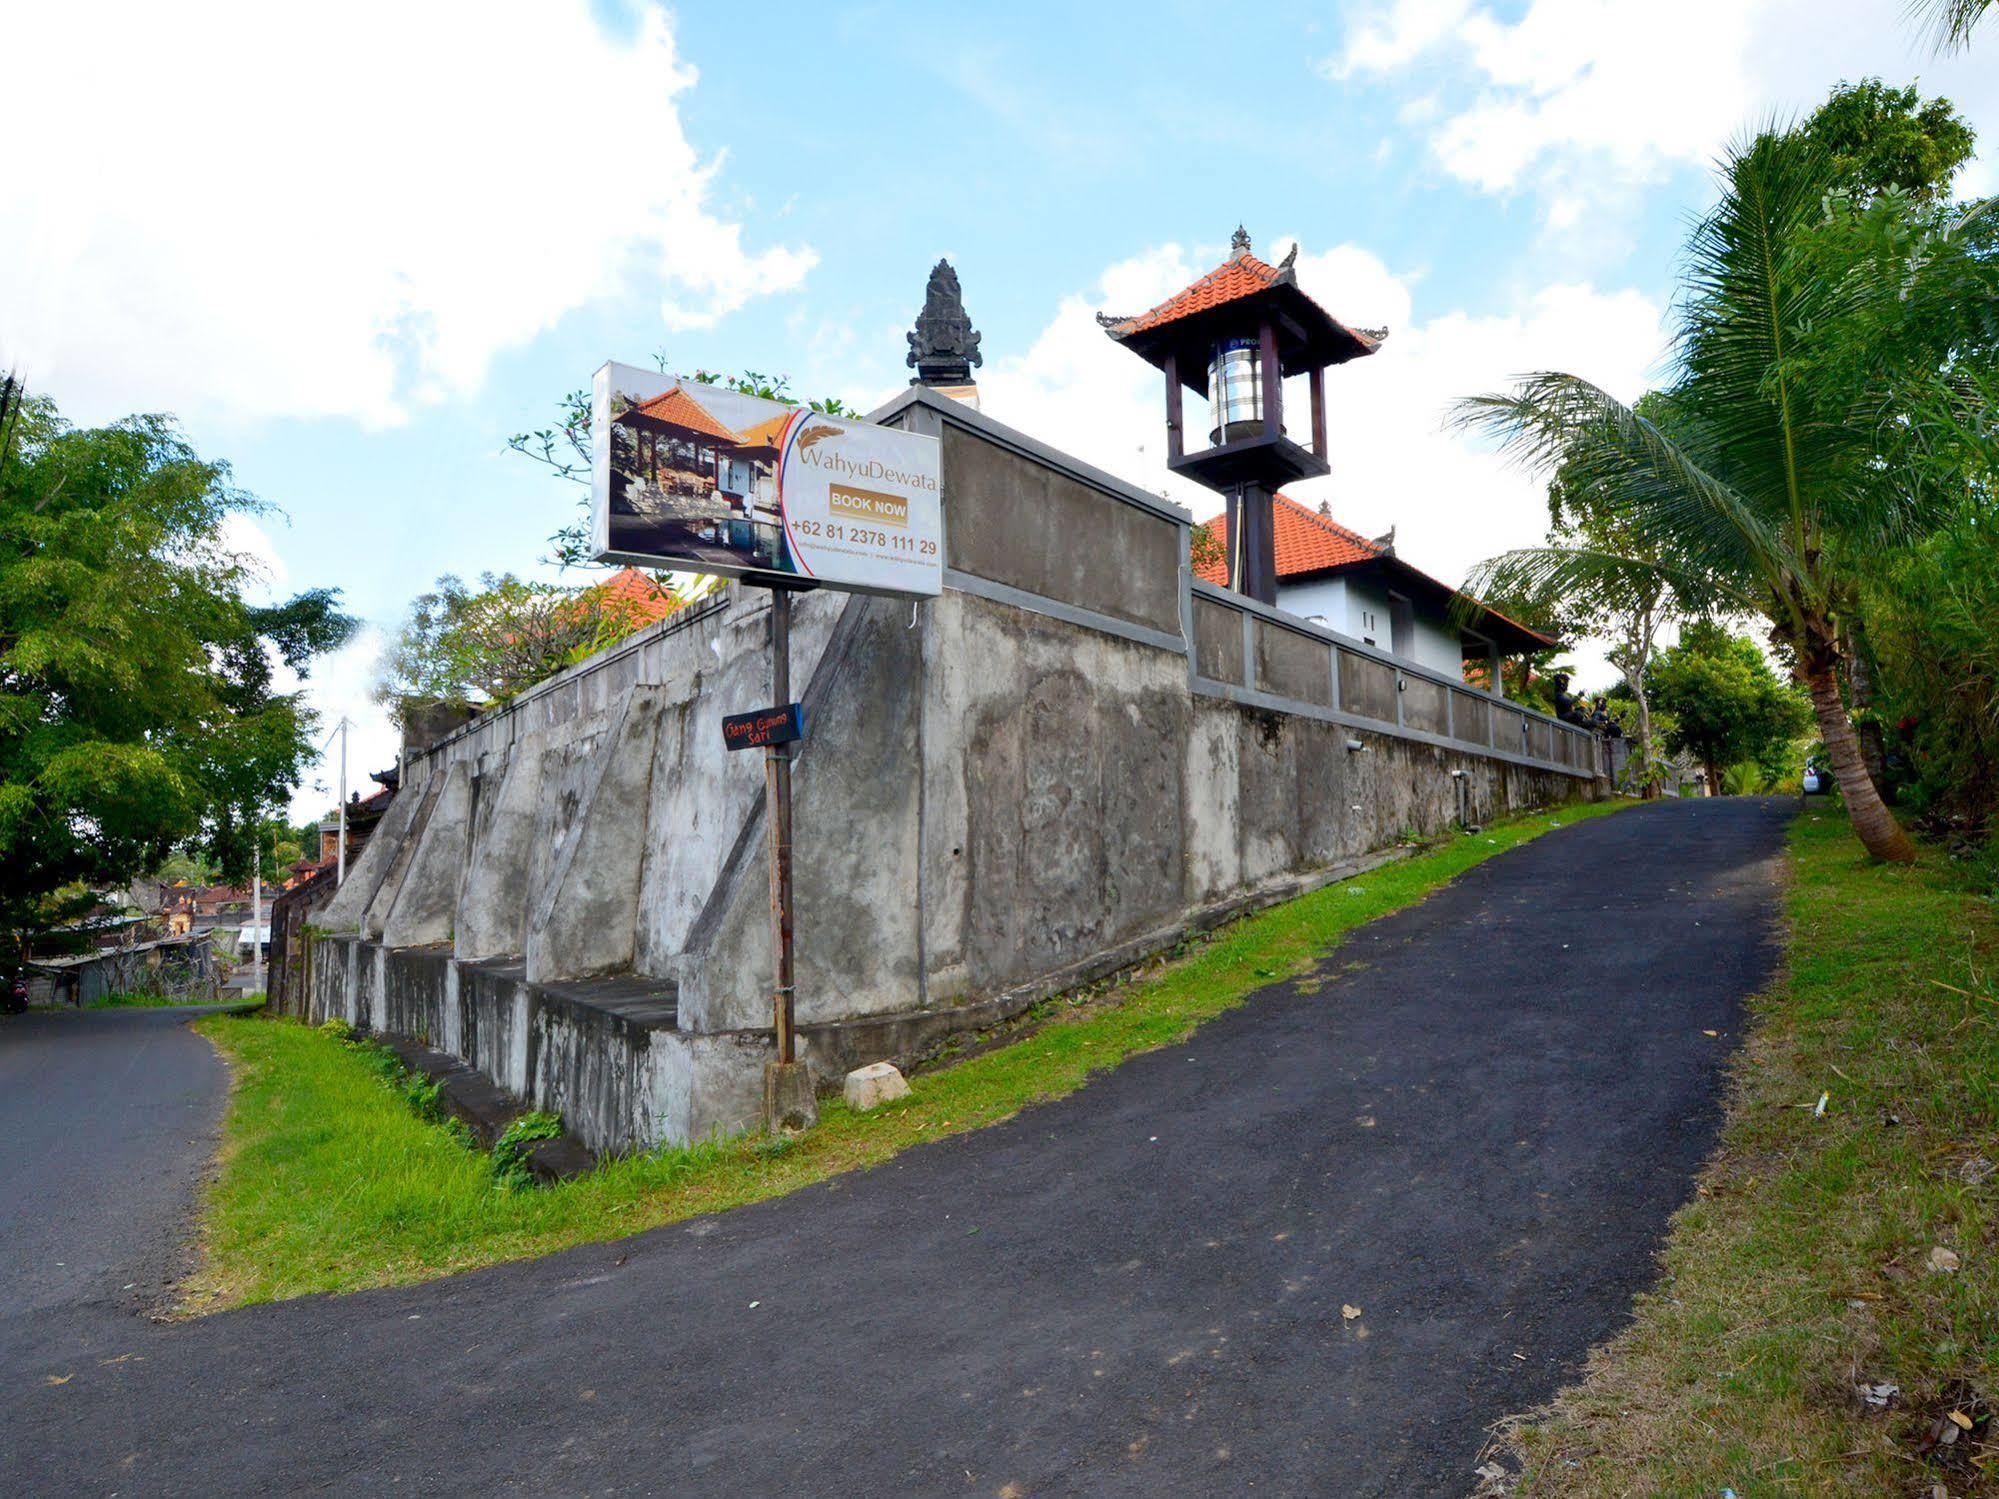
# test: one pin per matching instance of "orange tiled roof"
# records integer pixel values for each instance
(638, 595)
(764, 434)
(1307, 542)
(682, 410)
(1241, 275)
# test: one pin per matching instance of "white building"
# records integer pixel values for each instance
(1342, 580)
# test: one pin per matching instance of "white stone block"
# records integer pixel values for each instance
(876, 1083)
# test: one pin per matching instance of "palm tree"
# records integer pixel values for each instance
(1951, 20)
(1758, 483)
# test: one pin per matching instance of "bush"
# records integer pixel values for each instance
(511, 1150)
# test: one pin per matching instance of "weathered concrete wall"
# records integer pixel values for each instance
(1066, 761)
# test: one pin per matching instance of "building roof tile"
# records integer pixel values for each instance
(679, 409)
(1307, 542)
(1310, 542)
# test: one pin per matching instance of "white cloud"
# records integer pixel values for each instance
(249, 541)
(1578, 96)
(1397, 34)
(261, 210)
(1452, 502)
(341, 685)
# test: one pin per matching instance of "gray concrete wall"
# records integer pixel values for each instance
(1071, 757)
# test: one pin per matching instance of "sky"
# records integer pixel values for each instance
(352, 251)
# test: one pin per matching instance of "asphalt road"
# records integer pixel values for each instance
(107, 1118)
(1472, 1130)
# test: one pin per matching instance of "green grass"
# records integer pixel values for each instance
(329, 1182)
(1802, 1268)
(157, 1001)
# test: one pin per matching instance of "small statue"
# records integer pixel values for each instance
(1567, 708)
(944, 345)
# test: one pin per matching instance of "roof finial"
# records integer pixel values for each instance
(943, 346)
(1239, 243)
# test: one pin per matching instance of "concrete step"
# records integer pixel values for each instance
(487, 1109)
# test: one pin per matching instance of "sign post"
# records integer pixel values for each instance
(702, 478)
(777, 814)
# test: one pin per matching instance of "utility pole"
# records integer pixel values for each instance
(340, 844)
(257, 911)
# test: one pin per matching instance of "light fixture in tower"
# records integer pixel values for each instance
(1236, 335)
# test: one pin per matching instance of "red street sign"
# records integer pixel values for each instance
(763, 727)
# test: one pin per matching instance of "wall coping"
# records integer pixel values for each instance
(958, 414)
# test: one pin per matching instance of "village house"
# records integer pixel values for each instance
(1338, 578)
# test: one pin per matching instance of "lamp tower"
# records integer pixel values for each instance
(1234, 336)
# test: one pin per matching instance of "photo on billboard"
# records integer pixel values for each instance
(700, 478)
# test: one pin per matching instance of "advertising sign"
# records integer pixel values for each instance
(698, 478)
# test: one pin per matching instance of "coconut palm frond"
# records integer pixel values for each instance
(1561, 572)
(1949, 22)
(1616, 461)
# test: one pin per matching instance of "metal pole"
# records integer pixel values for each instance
(257, 918)
(777, 815)
(340, 871)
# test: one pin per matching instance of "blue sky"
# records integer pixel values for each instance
(353, 251)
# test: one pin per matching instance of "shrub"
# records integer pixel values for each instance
(510, 1151)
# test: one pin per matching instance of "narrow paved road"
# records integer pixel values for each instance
(1471, 1126)
(108, 1118)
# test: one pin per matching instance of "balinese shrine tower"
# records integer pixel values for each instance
(1236, 335)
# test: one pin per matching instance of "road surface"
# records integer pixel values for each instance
(1470, 1127)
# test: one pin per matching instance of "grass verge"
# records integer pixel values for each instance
(137, 1001)
(329, 1182)
(1825, 1321)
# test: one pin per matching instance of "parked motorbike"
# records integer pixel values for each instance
(17, 994)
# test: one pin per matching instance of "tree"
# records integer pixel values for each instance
(1585, 576)
(138, 704)
(473, 646)
(1883, 140)
(564, 447)
(1828, 374)
(1930, 613)
(1726, 704)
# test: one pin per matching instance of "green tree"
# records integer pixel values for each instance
(481, 645)
(1727, 706)
(138, 705)
(1883, 139)
(1930, 616)
(1832, 366)
(1597, 575)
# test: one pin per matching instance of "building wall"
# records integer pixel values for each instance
(1361, 609)
(1062, 763)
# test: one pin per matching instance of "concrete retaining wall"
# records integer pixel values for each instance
(1067, 760)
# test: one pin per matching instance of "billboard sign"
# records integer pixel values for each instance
(698, 478)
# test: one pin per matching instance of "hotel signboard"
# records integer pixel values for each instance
(699, 478)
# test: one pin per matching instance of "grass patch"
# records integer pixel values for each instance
(329, 1181)
(137, 1001)
(1814, 1263)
